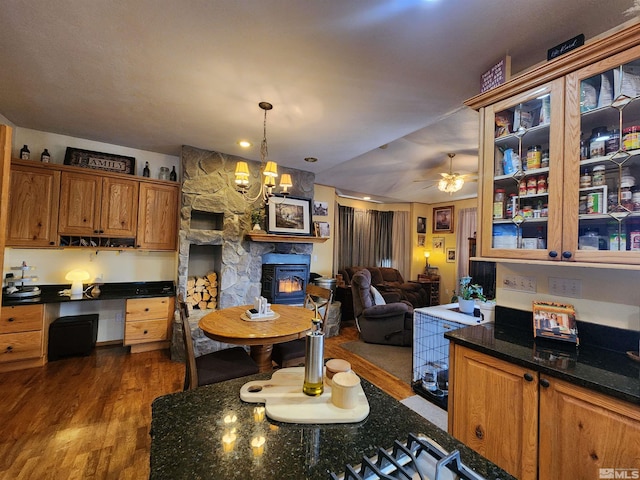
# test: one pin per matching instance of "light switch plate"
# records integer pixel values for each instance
(565, 287)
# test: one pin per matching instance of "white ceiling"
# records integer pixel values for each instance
(344, 77)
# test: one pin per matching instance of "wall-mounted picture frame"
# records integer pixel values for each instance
(422, 225)
(289, 215)
(555, 321)
(437, 245)
(421, 240)
(443, 219)
(100, 161)
(320, 209)
(451, 255)
(321, 229)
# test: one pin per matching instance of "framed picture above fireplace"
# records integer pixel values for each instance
(289, 215)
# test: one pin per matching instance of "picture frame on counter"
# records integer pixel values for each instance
(289, 215)
(107, 162)
(555, 321)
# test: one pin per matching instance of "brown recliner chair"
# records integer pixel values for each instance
(389, 323)
(387, 279)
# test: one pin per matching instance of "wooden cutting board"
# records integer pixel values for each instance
(285, 402)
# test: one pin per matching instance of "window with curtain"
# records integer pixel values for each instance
(364, 237)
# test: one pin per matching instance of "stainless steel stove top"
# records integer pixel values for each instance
(419, 458)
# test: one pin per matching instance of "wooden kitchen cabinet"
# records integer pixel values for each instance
(536, 426)
(158, 216)
(33, 207)
(96, 205)
(493, 409)
(548, 212)
(22, 337)
(148, 323)
(582, 431)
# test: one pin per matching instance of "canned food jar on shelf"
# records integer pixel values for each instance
(544, 160)
(597, 141)
(542, 184)
(532, 186)
(598, 178)
(498, 203)
(612, 143)
(522, 188)
(534, 156)
(631, 138)
(585, 179)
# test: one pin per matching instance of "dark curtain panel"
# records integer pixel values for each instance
(364, 237)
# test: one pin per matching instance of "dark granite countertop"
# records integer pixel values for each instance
(606, 371)
(108, 291)
(187, 430)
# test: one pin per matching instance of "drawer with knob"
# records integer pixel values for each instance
(148, 308)
(20, 346)
(145, 331)
(22, 318)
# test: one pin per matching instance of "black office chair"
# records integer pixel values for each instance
(291, 354)
(212, 367)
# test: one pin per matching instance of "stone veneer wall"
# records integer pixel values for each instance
(208, 186)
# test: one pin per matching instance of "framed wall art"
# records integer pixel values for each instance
(437, 244)
(443, 219)
(421, 240)
(451, 255)
(321, 209)
(100, 161)
(422, 225)
(289, 215)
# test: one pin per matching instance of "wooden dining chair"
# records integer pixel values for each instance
(291, 354)
(212, 367)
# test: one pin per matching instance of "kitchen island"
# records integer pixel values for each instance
(192, 436)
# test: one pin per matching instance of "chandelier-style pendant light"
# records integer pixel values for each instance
(269, 169)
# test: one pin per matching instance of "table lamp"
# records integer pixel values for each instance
(426, 261)
(77, 277)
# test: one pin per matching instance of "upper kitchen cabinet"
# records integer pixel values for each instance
(602, 157)
(522, 167)
(560, 158)
(32, 220)
(158, 216)
(95, 205)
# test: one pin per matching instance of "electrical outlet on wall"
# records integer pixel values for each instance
(519, 283)
(565, 287)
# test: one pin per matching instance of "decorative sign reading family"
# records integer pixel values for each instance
(100, 161)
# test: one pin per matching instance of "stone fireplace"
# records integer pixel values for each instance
(214, 219)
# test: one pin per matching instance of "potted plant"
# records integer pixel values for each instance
(256, 219)
(467, 295)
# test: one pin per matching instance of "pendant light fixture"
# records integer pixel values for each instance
(268, 167)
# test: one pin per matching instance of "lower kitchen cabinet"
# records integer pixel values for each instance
(22, 337)
(493, 409)
(535, 426)
(582, 431)
(148, 323)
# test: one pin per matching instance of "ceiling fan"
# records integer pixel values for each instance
(452, 181)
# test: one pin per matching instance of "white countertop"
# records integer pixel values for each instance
(446, 312)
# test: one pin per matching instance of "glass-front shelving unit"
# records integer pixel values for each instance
(609, 185)
(525, 147)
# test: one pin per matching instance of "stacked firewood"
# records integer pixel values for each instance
(202, 292)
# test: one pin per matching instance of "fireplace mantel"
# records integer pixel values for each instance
(270, 237)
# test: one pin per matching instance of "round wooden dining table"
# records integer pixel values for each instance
(226, 325)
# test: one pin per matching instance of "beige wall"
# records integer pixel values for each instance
(322, 256)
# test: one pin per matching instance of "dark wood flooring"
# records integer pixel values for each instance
(89, 417)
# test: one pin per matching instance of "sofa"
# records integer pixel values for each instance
(388, 280)
(378, 321)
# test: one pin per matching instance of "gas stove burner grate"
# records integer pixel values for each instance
(419, 458)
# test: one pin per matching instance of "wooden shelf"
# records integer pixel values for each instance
(269, 237)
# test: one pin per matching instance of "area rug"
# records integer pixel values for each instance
(428, 410)
(395, 360)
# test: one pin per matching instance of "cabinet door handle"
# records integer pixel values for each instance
(553, 253)
(9, 349)
(566, 254)
(544, 383)
(146, 309)
(528, 377)
(10, 319)
(146, 331)
(479, 432)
